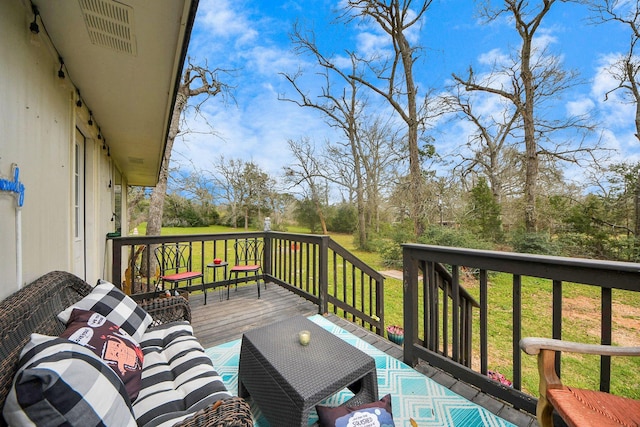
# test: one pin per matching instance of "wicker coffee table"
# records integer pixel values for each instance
(286, 379)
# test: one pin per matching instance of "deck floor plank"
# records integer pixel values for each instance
(222, 320)
(219, 321)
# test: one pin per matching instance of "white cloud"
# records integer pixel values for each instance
(270, 60)
(544, 38)
(372, 44)
(493, 57)
(604, 82)
(257, 130)
(343, 62)
(580, 106)
(613, 108)
(226, 19)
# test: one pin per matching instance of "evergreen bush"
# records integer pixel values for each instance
(533, 243)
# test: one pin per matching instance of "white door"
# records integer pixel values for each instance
(79, 265)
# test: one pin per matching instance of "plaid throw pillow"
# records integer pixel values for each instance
(116, 306)
(62, 383)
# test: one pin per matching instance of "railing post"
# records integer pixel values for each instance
(323, 273)
(455, 308)
(116, 266)
(266, 262)
(605, 333)
(410, 302)
(557, 320)
(380, 306)
(484, 322)
(516, 309)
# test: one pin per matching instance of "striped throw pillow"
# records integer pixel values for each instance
(177, 372)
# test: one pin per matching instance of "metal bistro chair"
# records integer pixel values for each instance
(174, 260)
(248, 261)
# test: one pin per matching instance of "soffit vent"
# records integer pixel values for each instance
(136, 160)
(110, 24)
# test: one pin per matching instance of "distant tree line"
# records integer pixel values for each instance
(462, 212)
(506, 187)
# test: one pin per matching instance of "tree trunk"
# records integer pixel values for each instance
(531, 146)
(637, 209)
(156, 203)
(415, 171)
(637, 205)
(352, 132)
(323, 223)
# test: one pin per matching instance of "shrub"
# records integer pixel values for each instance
(391, 253)
(453, 237)
(533, 243)
(391, 249)
(342, 218)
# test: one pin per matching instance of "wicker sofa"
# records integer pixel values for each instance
(34, 309)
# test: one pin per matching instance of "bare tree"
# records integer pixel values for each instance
(396, 18)
(244, 186)
(340, 169)
(492, 143)
(378, 160)
(626, 70)
(194, 185)
(342, 107)
(307, 173)
(197, 81)
(531, 78)
(135, 204)
(227, 182)
(377, 157)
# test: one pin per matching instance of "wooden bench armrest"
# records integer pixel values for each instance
(545, 349)
(533, 346)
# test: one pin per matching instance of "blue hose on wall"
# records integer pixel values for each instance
(14, 186)
(17, 188)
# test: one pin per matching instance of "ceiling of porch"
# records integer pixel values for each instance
(125, 58)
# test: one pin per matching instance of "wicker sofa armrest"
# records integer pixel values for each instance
(231, 412)
(165, 310)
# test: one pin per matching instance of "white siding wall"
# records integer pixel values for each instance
(38, 117)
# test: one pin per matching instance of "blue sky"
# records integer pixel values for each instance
(251, 38)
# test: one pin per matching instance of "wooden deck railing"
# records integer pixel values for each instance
(315, 267)
(319, 269)
(433, 332)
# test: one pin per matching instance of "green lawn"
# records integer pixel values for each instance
(579, 322)
(393, 287)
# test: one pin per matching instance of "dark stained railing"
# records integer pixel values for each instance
(433, 332)
(315, 267)
(357, 290)
(448, 312)
(322, 271)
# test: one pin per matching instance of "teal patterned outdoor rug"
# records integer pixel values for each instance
(413, 394)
